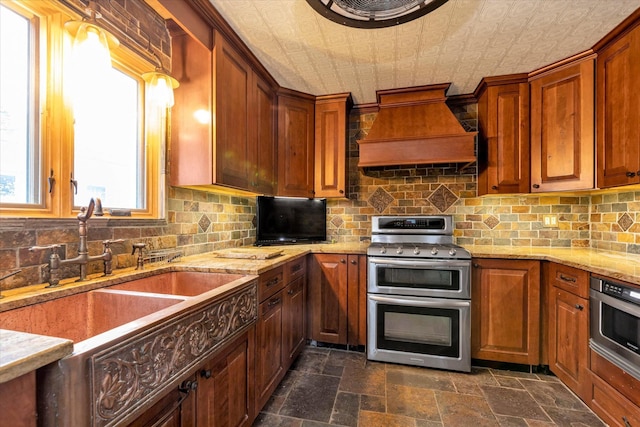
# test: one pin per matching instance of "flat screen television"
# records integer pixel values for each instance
(290, 220)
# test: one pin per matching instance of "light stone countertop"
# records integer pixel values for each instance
(21, 353)
(18, 356)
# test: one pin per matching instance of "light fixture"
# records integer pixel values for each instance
(91, 52)
(373, 13)
(161, 85)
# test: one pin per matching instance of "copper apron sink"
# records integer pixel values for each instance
(133, 341)
(187, 283)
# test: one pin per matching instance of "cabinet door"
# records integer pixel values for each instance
(503, 115)
(331, 171)
(357, 300)
(191, 149)
(562, 128)
(505, 310)
(618, 111)
(328, 298)
(224, 389)
(232, 89)
(569, 339)
(295, 146)
(269, 368)
(294, 325)
(610, 405)
(264, 169)
(176, 409)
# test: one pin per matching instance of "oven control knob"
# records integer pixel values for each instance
(434, 251)
(399, 251)
(452, 251)
(383, 250)
(416, 251)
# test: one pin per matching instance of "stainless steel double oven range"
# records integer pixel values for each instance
(418, 293)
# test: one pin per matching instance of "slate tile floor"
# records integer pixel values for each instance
(328, 387)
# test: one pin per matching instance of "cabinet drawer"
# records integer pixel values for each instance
(294, 269)
(611, 406)
(624, 383)
(570, 279)
(270, 282)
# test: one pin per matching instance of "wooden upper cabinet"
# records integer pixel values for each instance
(618, 107)
(295, 143)
(264, 166)
(232, 92)
(503, 145)
(224, 118)
(562, 127)
(331, 141)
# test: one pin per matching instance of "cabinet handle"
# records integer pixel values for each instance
(188, 385)
(353, 261)
(342, 261)
(273, 302)
(290, 292)
(272, 282)
(536, 185)
(296, 268)
(494, 187)
(580, 307)
(626, 422)
(205, 373)
(567, 279)
(631, 174)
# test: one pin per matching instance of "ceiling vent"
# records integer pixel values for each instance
(415, 126)
(374, 13)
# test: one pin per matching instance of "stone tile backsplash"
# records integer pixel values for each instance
(199, 221)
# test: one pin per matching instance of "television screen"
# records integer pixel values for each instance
(289, 220)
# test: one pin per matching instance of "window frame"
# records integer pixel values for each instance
(56, 120)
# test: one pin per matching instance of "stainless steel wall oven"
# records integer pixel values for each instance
(615, 323)
(419, 290)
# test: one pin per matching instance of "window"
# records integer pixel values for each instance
(19, 145)
(99, 141)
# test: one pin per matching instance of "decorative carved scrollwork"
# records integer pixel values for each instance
(125, 376)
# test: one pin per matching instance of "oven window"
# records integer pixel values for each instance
(621, 327)
(420, 330)
(419, 278)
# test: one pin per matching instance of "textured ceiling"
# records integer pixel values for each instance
(460, 42)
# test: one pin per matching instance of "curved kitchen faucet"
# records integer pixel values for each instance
(83, 257)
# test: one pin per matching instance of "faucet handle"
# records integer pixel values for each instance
(109, 242)
(54, 248)
(139, 247)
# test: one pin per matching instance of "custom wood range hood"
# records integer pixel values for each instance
(415, 126)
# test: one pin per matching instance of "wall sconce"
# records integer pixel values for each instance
(161, 85)
(91, 57)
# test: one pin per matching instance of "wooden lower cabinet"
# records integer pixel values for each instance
(176, 409)
(337, 298)
(269, 366)
(224, 396)
(505, 311)
(280, 331)
(568, 326)
(614, 408)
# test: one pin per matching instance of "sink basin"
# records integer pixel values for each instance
(186, 283)
(82, 316)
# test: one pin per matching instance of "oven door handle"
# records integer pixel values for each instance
(420, 302)
(418, 263)
(619, 304)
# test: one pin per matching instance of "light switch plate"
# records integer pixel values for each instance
(550, 220)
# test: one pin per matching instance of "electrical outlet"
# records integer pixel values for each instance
(550, 220)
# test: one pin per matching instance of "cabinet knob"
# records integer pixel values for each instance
(353, 261)
(494, 187)
(187, 386)
(631, 174)
(205, 373)
(580, 307)
(342, 261)
(341, 191)
(536, 185)
(476, 265)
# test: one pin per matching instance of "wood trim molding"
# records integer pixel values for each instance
(567, 62)
(625, 26)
